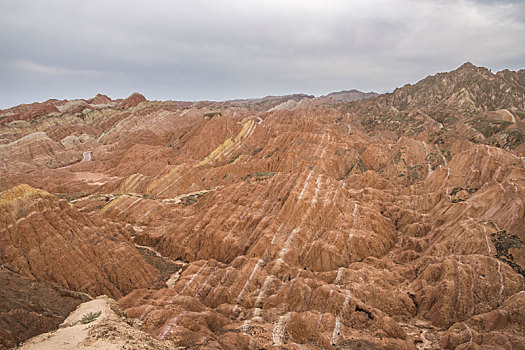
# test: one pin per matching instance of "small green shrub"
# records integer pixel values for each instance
(212, 114)
(489, 127)
(89, 317)
(192, 198)
(514, 138)
(259, 175)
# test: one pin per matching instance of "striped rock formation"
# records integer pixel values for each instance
(392, 222)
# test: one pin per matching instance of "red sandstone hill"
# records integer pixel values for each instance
(50, 247)
(48, 239)
(394, 222)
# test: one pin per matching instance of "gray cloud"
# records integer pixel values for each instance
(244, 48)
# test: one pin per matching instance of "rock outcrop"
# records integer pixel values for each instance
(97, 324)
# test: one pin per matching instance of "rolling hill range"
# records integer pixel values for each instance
(347, 221)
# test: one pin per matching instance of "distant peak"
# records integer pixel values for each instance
(133, 100)
(353, 91)
(137, 94)
(467, 65)
(350, 95)
(99, 99)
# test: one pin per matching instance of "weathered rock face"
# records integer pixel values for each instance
(500, 328)
(37, 150)
(49, 252)
(30, 307)
(392, 222)
(48, 239)
(28, 112)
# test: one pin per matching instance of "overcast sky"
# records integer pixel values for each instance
(225, 49)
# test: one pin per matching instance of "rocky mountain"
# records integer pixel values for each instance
(469, 89)
(470, 102)
(301, 100)
(350, 95)
(268, 102)
(394, 222)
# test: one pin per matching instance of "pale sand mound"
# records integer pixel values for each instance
(108, 331)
